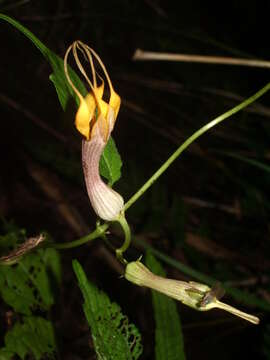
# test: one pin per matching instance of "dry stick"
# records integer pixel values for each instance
(149, 55)
(52, 188)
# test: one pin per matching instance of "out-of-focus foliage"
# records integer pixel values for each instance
(27, 285)
(34, 336)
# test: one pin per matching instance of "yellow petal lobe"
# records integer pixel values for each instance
(82, 119)
(94, 113)
(115, 102)
(86, 111)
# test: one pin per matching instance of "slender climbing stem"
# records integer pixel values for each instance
(190, 140)
(100, 230)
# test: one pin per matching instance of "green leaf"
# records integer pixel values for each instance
(110, 162)
(35, 336)
(114, 338)
(6, 354)
(64, 91)
(11, 239)
(27, 285)
(169, 344)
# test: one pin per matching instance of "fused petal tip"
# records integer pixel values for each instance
(93, 107)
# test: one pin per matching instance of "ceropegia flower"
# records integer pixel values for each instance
(195, 295)
(95, 120)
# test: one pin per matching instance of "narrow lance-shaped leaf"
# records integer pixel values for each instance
(111, 161)
(33, 337)
(64, 91)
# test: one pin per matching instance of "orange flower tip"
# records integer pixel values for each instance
(82, 120)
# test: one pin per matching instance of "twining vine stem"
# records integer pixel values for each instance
(190, 140)
(100, 231)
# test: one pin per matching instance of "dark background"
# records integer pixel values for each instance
(210, 211)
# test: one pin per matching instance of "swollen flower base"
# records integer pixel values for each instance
(195, 295)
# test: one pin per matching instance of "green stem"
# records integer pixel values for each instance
(100, 230)
(190, 140)
(124, 224)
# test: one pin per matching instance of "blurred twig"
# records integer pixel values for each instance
(233, 209)
(15, 5)
(52, 187)
(157, 8)
(216, 251)
(158, 56)
(29, 115)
